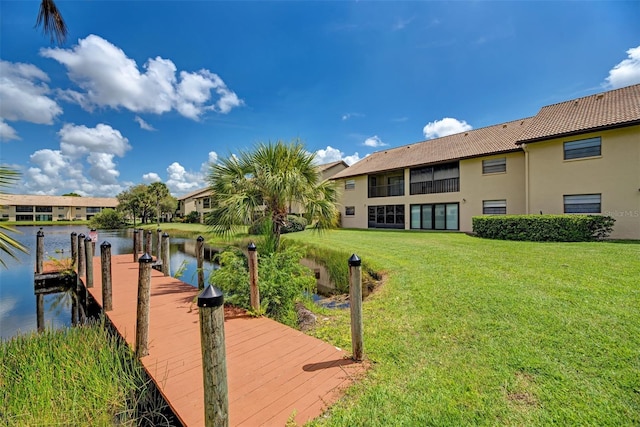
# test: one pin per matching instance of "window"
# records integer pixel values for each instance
(349, 210)
(60, 216)
(44, 209)
(24, 217)
(494, 207)
(443, 178)
(386, 216)
(44, 217)
(387, 185)
(582, 148)
(494, 165)
(60, 208)
(350, 184)
(93, 210)
(206, 203)
(582, 203)
(438, 216)
(20, 208)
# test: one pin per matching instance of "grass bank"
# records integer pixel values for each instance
(467, 331)
(75, 376)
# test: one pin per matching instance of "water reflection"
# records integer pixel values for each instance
(18, 304)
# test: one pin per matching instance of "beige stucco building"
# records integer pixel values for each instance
(579, 156)
(197, 201)
(21, 207)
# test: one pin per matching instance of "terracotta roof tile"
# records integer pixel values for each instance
(615, 108)
(479, 142)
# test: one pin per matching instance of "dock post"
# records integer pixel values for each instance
(200, 261)
(214, 363)
(135, 244)
(74, 248)
(94, 239)
(88, 249)
(81, 255)
(253, 278)
(148, 249)
(140, 241)
(40, 312)
(40, 251)
(159, 245)
(144, 294)
(105, 264)
(165, 254)
(355, 302)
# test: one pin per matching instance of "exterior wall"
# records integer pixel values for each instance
(58, 213)
(474, 189)
(615, 174)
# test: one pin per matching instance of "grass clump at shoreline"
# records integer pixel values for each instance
(75, 376)
(468, 331)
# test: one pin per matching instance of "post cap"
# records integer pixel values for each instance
(81, 236)
(200, 239)
(73, 233)
(105, 244)
(40, 233)
(87, 239)
(165, 234)
(93, 229)
(145, 259)
(354, 261)
(251, 247)
(210, 297)
(135, 231)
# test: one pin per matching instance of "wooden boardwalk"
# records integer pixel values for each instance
(274, 372)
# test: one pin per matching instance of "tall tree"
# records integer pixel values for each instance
(8, 245)
(135, 201)
(161, 197)
(53, 25)
(264, 183)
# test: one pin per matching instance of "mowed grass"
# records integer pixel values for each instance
(467, 331)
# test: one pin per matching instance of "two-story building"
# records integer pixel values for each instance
(579, 156)
(28, 207)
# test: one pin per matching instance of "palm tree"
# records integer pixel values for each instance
(8, 245)
(52, 23)
(263, 183)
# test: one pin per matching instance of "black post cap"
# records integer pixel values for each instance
(87, 239)
(135, 231)
(158, 230)
(93, 229)
(251, 247)
(40, 233)
(145, 259)
(105, 244)
(165, 234)
(200, 239)
(354, 261)
(81, 236)
(73, 233)
(210, 297)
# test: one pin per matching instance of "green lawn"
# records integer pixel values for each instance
(468, 331)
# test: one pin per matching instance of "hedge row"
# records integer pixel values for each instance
(543, 228)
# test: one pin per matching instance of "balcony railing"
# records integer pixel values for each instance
(387, 190)
(449, 185)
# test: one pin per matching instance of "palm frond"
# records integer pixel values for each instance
(53, 24)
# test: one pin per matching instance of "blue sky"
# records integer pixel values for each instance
(155, 90)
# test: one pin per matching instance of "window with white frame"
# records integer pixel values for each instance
(350, 184)
(590, 147)
(494, 207)
(349, 210)
(582, 203)
(494, 165)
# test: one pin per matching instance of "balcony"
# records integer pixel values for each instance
(396, 189)
(448, 185)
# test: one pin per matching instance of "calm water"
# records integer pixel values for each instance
(17, 300)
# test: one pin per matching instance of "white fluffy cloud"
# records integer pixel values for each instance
(180, 181)
(7, 132)
(24, 94)
(374, 141)
(331, 154)
(107, 77)
(151, 177)
(143, 125)
(84, 163)
(627, 72)
(444, 127)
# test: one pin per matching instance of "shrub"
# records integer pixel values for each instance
(294, 223)
(282, 281)
(192, 217)
(108, 219)
(544, 228)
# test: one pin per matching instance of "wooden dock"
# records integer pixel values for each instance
(275, 373)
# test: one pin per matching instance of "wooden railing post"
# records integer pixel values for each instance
(81, 255)
(94, 239)
(144, 294)
(88, 248)
(140, 241)
(74, 248)
(105, 264)
(40, 251)
(200, 261)
(159, 245)
(355, 302)
(214, 363)
(136, 237)
(253, 278)
(148, 248)
(165, 254)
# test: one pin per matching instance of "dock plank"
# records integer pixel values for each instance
(273, 371)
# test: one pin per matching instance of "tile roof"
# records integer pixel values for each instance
(201, 192)
(619, 107)
(38, 200)
(323, 167)
(474, 143)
